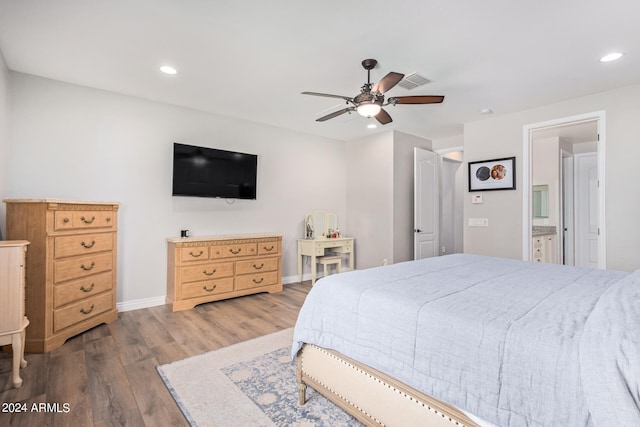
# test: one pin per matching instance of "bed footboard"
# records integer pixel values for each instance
(369, 395)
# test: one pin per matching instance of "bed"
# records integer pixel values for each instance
(473, 340)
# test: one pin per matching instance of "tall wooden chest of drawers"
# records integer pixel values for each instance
(209, 269)
(71, 266)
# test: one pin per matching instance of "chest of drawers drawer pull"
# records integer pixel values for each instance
(258, 281)
(89, 289)
(83, 311)
(87, 221)
(89, 246)
(199, 254)
(85, 268)
(268, 249)
(212, 272)
(66, 220)
(82, 244)
(235, 251)
(258, 267)
(213, 288)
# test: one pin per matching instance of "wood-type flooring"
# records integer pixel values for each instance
(107, 377)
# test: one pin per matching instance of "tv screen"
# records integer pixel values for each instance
(209, 172)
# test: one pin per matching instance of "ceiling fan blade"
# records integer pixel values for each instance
(425, 99)
(328, 95)
(387, 82)
(383, 117)
(335, 114)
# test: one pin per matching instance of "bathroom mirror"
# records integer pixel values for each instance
(540, 201)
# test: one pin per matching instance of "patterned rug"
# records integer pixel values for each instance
(252, 383)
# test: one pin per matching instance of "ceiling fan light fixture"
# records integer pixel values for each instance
(368, 109)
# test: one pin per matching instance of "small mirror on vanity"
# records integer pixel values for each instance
(319, 223)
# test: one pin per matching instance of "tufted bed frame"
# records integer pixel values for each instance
(375, 399)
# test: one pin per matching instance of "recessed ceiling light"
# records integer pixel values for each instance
(611, 57)
(372, 126)
(486, 111)
(168, 70)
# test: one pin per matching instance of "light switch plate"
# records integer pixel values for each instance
(476, 198)
(478, 222)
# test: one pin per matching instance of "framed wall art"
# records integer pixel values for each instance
(496, 174)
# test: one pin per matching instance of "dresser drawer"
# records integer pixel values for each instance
(199, 253)
(207, 271)
(267, 248)
(228, 251)
(206, 288)
(257, 265)
(75, 268)
(70, 220)
(83, 288)
(65, 246)
(249, 281)
(82, 310)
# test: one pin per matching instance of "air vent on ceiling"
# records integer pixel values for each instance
(413, 80)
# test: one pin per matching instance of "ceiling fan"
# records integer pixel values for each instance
(370, 100)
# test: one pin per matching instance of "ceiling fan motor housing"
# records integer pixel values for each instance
(368, 98)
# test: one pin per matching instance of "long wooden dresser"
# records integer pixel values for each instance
(71, 266)
(205, 269)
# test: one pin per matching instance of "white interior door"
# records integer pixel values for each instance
(426, 204)
(586, 210)
(568, 216)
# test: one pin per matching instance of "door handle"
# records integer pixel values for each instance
(417, 230)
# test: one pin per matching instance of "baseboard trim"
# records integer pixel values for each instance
(140, 303)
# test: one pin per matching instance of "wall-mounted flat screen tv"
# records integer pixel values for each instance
(209, 172)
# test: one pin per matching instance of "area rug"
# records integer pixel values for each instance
(252, 383)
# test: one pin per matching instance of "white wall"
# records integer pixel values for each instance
(380, 196)
(502, 137)
(403, 200)
(72, 142)
(4, 137)
(369, 187)
(545, 170)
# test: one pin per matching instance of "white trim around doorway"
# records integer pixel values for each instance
(600, 117)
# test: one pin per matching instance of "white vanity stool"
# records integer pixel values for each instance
(330, 260)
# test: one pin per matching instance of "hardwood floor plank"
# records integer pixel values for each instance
(181, 328)
(108, 374)
(111, 396)
(68, 384)
(154, 401)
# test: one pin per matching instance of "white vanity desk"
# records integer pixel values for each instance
(319, 225)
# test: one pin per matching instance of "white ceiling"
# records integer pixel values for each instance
(251, 59)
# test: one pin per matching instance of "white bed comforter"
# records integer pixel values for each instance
(513, 342)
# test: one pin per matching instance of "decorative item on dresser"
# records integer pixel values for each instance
(12, 315)
(71, 266)
(205, 269)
